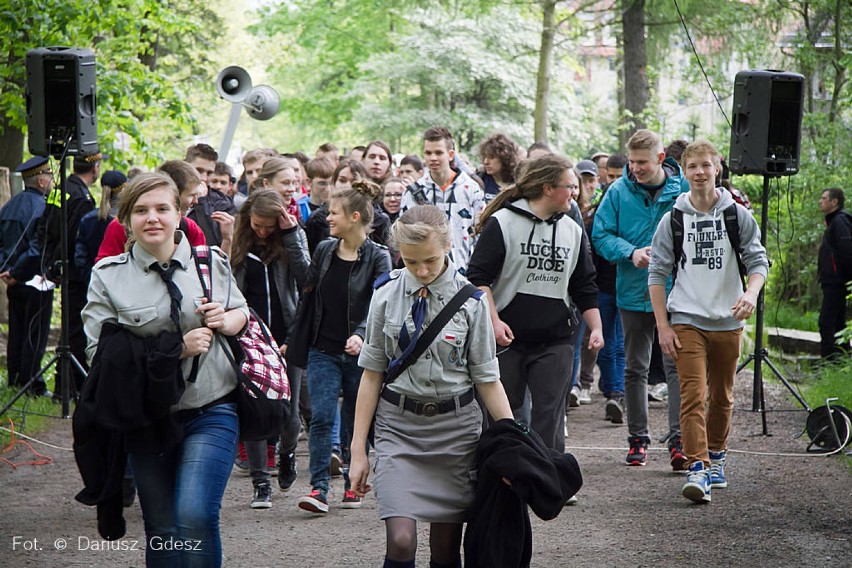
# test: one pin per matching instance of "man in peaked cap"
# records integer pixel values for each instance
(78, 202)
(30, 306)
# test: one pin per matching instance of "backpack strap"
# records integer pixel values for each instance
(732, 227)
(676, 221)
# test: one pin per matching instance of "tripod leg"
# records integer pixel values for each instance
(27, 386)
(786, 383)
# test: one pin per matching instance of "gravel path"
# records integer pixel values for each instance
(777, 511)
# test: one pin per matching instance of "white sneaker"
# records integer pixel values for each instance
(574, 397)
(585, 396)
(659, 392)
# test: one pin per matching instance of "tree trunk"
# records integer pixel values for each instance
(636, 91)
(545, 59)
(5, 195)
(11, 144)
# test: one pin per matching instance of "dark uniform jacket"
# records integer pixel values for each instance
(834, 262)
(78, 202)
(19, 250)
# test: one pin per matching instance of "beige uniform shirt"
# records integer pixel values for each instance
(463, 353)
(124, 289)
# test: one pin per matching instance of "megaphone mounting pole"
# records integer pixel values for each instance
(230, 129)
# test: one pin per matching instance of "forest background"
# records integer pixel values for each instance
(350, 71)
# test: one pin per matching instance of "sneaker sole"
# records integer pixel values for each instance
(695, 493)
(261, 505)
(313, 505)
(720, 485)
(614, 414)
(634, 463)
(350, 505)
(238, 470)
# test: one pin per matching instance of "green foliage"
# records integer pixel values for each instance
(389, 70)
(144, 51)
(833, 381)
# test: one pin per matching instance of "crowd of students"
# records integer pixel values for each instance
(348, 257)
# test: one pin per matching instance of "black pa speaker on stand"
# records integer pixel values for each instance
(765, 140)
(61, 102)
(767, 123)
(61, 122)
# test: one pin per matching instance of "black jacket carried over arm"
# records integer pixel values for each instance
(498, 533)
(126, 401)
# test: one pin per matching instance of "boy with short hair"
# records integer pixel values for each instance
(449, 188)
(319, 172)
(700, 325)
(623, 228)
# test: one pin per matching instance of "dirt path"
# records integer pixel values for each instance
(778, 510)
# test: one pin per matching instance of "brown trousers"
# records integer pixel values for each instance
(706, 365)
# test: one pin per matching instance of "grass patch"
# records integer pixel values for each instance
(833, 381)
(788, 316)
(29, 415)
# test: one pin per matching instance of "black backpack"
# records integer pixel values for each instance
(732, 227)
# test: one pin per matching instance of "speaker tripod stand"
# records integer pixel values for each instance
(828, 426)
(63, 358)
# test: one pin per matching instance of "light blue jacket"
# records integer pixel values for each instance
(626, 220)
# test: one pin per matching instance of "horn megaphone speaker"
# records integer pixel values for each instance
(233, 84)
(262, 102)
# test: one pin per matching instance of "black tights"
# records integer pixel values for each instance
(444, 540)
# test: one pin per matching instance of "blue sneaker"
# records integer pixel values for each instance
(717, 469)
(697, 486)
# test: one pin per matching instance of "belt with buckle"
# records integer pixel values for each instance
(428, 408)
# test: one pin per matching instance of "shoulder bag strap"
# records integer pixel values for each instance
(431, 332)
(201, 257)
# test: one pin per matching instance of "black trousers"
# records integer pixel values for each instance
(29, 326)
(832, 318)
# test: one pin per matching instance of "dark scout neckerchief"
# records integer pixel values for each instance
(174, 292)
(415, 346)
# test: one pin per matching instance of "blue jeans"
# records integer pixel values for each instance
(326, 375)
(180, 491)
(611, 357)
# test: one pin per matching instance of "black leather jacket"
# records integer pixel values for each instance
(373, 261)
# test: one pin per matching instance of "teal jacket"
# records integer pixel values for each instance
(626, 220)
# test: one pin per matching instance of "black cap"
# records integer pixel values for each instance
(89, 158)
(34, 166)
(114, 179)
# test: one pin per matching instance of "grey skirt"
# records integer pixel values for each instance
(424, 464)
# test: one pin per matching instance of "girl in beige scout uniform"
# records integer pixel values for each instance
(423, 462)
(149, 290)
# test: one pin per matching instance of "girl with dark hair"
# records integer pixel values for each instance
(533, 261)
(499, 155)
(337, 294)
(270, 261)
